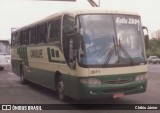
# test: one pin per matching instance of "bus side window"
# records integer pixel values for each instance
(18, 40)
(24, 37)
(27, 33)
(68, 24)
(69, 41)
(13, 41)
(54, 31)
(33, 36)
(41, 33)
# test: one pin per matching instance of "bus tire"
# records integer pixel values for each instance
(60, 88)
(1, 68)
(23, 81)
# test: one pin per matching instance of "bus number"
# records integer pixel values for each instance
(133, 21)
(95, 71)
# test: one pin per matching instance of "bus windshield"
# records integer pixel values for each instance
(111, 40)
(4, 48)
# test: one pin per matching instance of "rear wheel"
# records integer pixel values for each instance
(1, 68)
(60, 88)
(23, 81)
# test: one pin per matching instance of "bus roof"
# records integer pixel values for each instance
(90, 11)
(77, 12)
(98, 10)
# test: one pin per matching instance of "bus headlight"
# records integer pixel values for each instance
(90, 81)
(140, 77)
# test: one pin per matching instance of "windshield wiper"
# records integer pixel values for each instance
(125, 52)
(114, 48)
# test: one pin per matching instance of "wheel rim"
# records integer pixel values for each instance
(61, 90)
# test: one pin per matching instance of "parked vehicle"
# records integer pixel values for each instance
(153, 60)
(5, 55)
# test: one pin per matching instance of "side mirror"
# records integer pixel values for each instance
(146, 37)
(146, 41)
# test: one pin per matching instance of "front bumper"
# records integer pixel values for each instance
(108, 90)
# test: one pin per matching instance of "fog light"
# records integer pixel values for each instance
(140, 77)
(90, 81)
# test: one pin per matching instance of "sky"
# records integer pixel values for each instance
(17, 13)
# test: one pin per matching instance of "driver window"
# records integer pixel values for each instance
(68, 24)
(54, 31)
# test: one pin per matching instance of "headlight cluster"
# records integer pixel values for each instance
(140, 77)
(90, 81)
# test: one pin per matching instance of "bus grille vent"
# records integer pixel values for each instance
(117, 81)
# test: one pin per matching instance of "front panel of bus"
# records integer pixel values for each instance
(111, 52)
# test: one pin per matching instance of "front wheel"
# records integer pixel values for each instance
(60, 88)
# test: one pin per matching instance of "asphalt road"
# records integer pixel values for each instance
(13, 92)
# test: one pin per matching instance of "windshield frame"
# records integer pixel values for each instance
(77, 20)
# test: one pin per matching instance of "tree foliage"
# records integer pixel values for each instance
(154, 48)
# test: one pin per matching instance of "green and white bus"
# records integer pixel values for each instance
(83, 54)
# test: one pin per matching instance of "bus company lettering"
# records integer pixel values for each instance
(36, 53)
(71, 49)
(71, 62)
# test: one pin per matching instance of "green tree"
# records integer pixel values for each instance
(154, 48)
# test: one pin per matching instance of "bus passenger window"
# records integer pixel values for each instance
(25, 37)
(33, 36)
(13, 40)
(54, 31)
(41, 32)
(18, 40)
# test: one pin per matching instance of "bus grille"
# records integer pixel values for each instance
(117, 81)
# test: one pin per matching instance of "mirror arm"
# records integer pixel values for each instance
(144, 27)
(146, 37)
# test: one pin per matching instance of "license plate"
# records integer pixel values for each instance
(118, 95)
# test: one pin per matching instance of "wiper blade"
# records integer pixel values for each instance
(116, 47)
(109, 55)
(125, 52)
